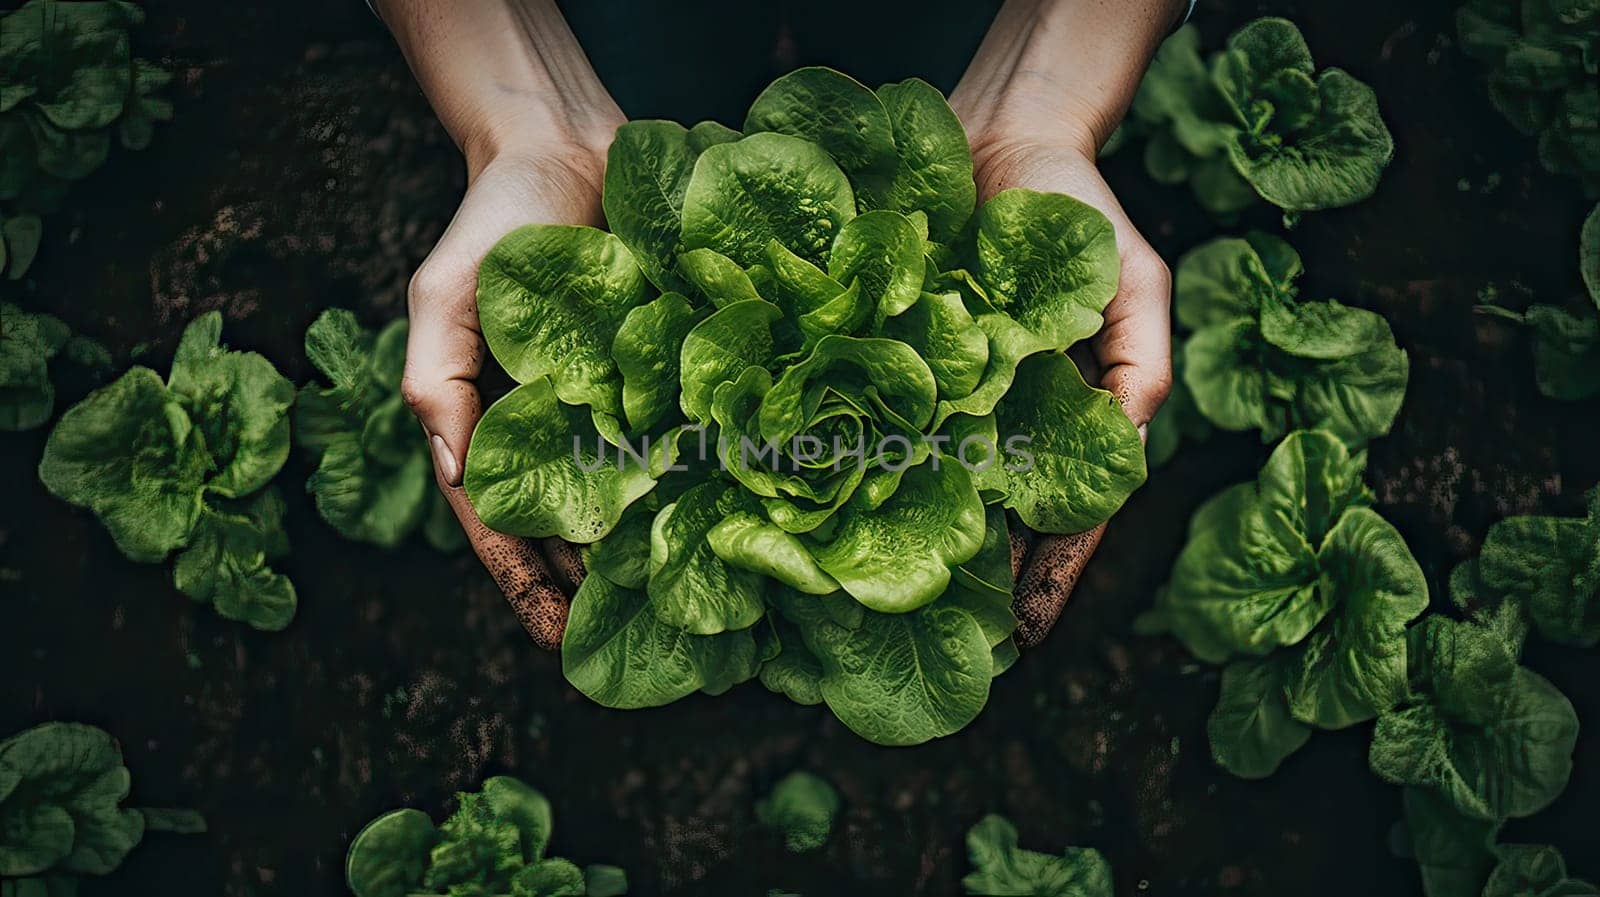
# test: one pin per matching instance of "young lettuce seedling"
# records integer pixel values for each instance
(67, 81)
(184, 465)
(374, 477)
(61, 790)
(1542, 60)
(1259, 122)
(1304, 592)
(493, 845)
(1001, 867)
(1259, 358)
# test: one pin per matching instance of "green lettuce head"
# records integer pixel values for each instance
(1260, 122)
(184, 465)
(1261, 358)
(1544, 75)
(786, 399)
(1304, 592)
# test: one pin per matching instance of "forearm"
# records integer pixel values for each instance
(499, 72)
(1061, 70)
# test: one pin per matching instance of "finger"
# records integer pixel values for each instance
(1052, 572)
(519, 571)
(1020, 542)
(1134, 348)
(566, 561)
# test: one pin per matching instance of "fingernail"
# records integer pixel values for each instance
(1144, 433)
(446, 462)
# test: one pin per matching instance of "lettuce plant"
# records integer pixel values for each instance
(183, 465)
(28, 344)
(1259, 358)
(1458, 856)
(1549, 567)
(492, 846)
(67, 80)
(1486, 735)
(1534, 870)
(374, 476)
(1305, 592)
(1543, 75)
(1491, 738)
(802, 807)
(1566, 346)
(1259, 122)
(1004, 868)
(61, 791)
(784, 402)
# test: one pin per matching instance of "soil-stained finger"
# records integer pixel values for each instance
(1052, 571)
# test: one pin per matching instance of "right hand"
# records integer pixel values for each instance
(531, 183)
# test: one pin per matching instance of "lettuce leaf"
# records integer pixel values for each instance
(374, 476)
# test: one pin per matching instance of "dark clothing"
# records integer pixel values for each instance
(690, 60)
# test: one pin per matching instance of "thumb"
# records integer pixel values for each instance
(444, 354)
(1135, 348)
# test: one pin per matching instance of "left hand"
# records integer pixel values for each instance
(1133, 351)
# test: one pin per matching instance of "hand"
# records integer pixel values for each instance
(445, 354)
(1132, 352)
(511, 85)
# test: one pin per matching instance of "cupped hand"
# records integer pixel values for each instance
(1132, 353)
(530, 184)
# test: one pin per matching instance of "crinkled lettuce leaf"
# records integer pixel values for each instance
(374, 476)
(1261, 358)
(1002, 867)
(227, 562)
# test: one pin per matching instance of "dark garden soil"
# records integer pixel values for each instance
(304, 170)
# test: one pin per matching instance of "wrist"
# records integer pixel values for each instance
(533, 132)
(1022, 119)
(1060, 72)
(504, 76)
